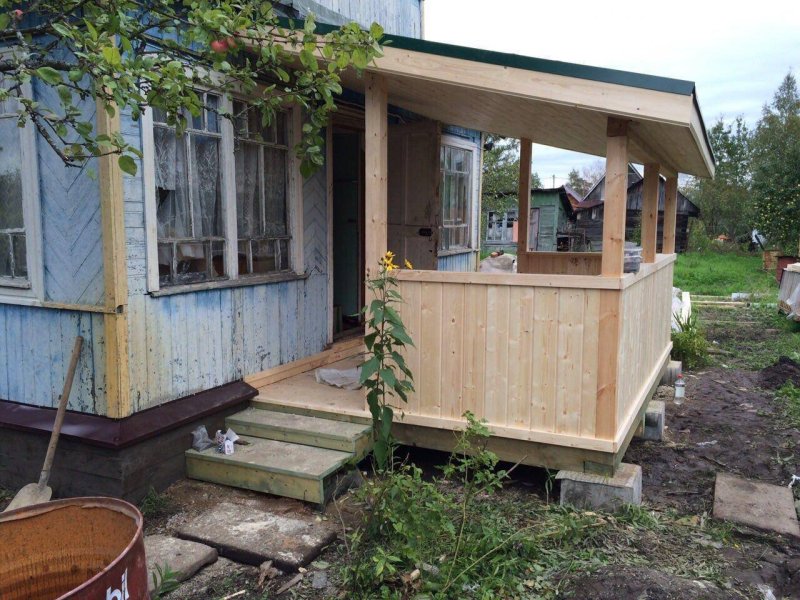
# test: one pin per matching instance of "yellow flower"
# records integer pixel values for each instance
(409, 265)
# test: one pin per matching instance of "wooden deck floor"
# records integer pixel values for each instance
(303, 391)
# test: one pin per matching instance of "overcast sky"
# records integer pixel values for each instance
(736, 53)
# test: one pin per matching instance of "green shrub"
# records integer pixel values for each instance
(689, 344)
(698, 237)
(438, 539)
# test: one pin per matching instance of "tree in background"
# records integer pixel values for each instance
(501, 177)
(582, 181)
(776, 168)
(129, 54)
(724, 201)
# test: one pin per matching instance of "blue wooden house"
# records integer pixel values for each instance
(210, 265)
(218, 277)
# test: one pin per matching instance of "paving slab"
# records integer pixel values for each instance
(183, 557)
(253, 535)
(759, 505)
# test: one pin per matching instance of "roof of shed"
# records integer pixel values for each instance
(555, 103)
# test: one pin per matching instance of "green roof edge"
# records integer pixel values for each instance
(529, 63)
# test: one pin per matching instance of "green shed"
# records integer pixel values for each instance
(550, 212)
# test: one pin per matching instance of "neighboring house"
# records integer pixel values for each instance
(589, 212)
(194, 299)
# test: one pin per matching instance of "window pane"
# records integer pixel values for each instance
(239, 119)
(172, 198)
(164, 263)
(192, 262)
(206, 192)
(264, 256)
(280, 122)
(212, 119)
(248, 193)
(6, 269)
(244, 250)
(275, 192)
(10, 176)
(20, 257)
(217, 259)
(283, 250)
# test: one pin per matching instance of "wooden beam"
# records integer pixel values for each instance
(115, 276)
(650, 212)
(616, 198)
(524, 194)
(376, 133)
(670, 214)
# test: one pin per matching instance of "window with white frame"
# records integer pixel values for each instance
(193, 201)
(261, 192)
(13, 246)
(456, 193)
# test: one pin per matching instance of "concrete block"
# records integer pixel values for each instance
(760, 505)
(671, 372)
(587, 491)
(184, 558)
(654, 421)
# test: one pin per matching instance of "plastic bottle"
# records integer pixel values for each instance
(680, 389)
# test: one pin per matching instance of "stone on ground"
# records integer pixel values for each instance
(600, 492)
(184, 558)
(759, 505)
(253, 535)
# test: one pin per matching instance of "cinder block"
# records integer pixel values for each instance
(671, 372)
(587, 491)
(654, 421)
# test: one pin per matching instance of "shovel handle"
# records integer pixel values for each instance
(62, 409)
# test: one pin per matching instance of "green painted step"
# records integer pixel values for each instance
(273, 467)
(303, 429)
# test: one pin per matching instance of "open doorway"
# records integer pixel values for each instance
(348, 231)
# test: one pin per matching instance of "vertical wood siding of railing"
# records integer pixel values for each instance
(518, 356)
(645, 309)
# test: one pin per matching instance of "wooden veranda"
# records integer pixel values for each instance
(561, 357)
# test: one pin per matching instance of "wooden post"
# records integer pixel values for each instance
(670, 215)
(524, 195)
(650, 212)
(115, 320)
(616, 199)
(376, 156)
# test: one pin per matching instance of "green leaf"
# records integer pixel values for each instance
(112, 55)
(376, 31)
(369, 368)
(369, 340)
(389, 377)
(49, 75)
(127, 164)
(5, 20)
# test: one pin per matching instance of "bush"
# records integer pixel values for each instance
(698, 237)
(438, 539)
(689, 344)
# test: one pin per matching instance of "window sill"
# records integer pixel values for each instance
(229, 283)
(15, 285)
(444, 253)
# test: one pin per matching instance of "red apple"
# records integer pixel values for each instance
(219, 46)
(17, 14)
(231, 42)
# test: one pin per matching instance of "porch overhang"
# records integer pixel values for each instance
(557, 104)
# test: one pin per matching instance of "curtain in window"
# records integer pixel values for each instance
(174, 219)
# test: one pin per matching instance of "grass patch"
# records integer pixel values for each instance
(788, 396)
(723, 273)
(748, 337)
(155, 505)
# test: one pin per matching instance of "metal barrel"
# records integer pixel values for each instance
(77, 548)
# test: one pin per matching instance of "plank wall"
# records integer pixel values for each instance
(185, 343)
(462, 262)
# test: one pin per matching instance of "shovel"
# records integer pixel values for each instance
(36, 493)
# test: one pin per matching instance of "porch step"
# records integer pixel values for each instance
(274, 467)
(302, 429)
(263, 402)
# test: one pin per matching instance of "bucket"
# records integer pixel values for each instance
(78, 548)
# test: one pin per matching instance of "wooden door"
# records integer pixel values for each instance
(413, 182)
(533, 230)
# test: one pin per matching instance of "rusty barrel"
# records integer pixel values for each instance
(78, 548)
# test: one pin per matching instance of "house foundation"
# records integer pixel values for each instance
(597, 492)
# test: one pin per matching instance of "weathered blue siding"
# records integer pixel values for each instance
(185, 343)
(465, 261)
(35, 342)
(400, 17)
(35, 353)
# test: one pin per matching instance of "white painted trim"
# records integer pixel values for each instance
(150, 209)
(294, 205)
(448, 139)
(13, 293)
(229, 191)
